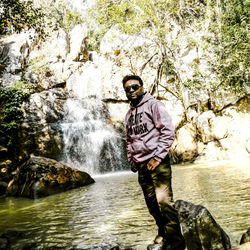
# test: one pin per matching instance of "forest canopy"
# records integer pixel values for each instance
(226, 23)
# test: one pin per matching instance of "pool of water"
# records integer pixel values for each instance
(112, 211)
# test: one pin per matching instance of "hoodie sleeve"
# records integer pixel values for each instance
(129, 147)
(164, 125)
(128, 141)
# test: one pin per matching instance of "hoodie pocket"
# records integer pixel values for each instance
(139, 147)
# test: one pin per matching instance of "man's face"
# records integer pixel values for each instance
(133, 90)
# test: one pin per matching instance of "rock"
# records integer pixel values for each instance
(5, 170)
(223, 98)
(45, 110)
(198, 99)
(203, 126)
(245, 237)
(199, 228)
(78, 44)
(3, 152)
(245, 246)
(185, 147)
(13, 54)
(9, 237)
(220, 127)
(211, 151)
(46, 106)
(39, 177)
(3, 187)
(154, 247)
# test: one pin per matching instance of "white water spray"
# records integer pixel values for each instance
(90, 143)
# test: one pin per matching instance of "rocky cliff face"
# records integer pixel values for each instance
(209, 126)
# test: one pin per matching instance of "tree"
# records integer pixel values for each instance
(226, 37)
(16, 15)
(153, 20)
(231, 44)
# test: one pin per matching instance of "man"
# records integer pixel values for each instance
(150, 134)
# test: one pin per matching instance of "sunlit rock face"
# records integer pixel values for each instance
(13, 55)
(184, 147)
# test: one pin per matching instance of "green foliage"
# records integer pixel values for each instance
(39, 65)
(226, 40)
(70, 20)
(10, 112)
(231, 45)
(153, 20)
(17, 15)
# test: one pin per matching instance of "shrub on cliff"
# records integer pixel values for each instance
(11, 114)
(19, 15)
(16, 15)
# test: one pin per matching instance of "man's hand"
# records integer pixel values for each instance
(152, 164)
(133, 167)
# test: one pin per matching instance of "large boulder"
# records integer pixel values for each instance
(199, 228)
(185, 147)
(39, 177)
(40, 132)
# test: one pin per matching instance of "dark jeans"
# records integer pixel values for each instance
(157, 190)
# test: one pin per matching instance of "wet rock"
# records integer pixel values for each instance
(199, 228)
(5, 170)
(39, 177)
(3, 187)
(3, 152)
(7, 238)
(45, 110)
(245, 237)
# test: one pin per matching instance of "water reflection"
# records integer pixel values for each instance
(112, 211)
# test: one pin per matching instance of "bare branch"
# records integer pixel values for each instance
(168, 90)
(145, 64)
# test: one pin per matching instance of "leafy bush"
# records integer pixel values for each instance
(11, 114)
(231, 44)
(16, 15)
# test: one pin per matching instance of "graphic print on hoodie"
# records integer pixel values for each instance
(149, 129)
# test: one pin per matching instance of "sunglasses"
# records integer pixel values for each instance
(134, 87)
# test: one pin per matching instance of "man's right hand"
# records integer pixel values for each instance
(133, 167)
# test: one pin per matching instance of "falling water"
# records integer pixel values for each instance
(90, 143)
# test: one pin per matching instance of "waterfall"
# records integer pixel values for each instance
(90, 143)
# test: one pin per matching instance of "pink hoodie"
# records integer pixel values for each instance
(149, 129)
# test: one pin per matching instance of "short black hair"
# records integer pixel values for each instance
(130, 77)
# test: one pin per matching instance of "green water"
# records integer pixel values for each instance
(112, 211)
